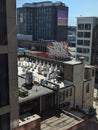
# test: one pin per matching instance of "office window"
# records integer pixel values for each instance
(86, 43)
(87, 88)
(5, 122)
(96, 52)
(80, 34)
(4, 84)
(87, 26)
(67, 93)
(86, 51)
(80, 26)
(78, 56)
(87, 34)
(86, 58)
(79, 42)
(93, 72)
(79, 50)
(62, 96)
(70, 92)
(3, 24)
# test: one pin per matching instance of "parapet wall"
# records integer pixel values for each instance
(30, 124)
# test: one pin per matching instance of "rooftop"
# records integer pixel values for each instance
(62, 121)
(73, 62)
(90, 17)
(35, 92)
(27, 118)
(44, 4)
(45, 72)
(89, 66)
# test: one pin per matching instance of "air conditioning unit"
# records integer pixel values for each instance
(29, 78)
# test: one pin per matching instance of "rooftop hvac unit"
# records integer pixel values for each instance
(29, 78)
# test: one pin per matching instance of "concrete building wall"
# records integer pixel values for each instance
(88, 94)
(65, 98)
(10, 49)
(68, 72)
(75, 74)
(47, 102)
(87, 46)
(82, 75)
(78, 75)
(88, 90)
(31, 124)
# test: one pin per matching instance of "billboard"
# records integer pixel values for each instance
(62, 17)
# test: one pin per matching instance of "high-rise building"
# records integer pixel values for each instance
(87, 39)
(44, 20)
(8, 66)
(25, 20)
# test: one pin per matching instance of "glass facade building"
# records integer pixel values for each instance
(3, 24)
(43, 20)
(4, 84)
(5, 122)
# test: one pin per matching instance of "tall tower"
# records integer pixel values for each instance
(8, 66)
(44, 20)
(87, 39)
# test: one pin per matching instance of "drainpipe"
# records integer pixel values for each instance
(40, 105)
(82, 95)
(74, 96)
(82, 59)
(58, 96)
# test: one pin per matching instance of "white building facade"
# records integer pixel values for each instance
(85, 38)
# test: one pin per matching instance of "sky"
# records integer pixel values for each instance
(77, 8)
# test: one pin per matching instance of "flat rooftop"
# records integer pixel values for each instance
(35, 92)
(48, 69)
(38, 90)
(89, 66)
(28, 118)
(64, 121)
(73, 62)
